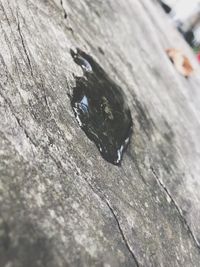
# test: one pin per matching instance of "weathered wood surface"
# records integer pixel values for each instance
(61, 204)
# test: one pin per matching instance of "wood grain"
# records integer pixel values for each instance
(61, 204)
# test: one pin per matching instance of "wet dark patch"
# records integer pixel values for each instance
(100, 108)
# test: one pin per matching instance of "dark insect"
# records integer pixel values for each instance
(100, 109)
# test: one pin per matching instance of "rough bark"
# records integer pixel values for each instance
(61, 204)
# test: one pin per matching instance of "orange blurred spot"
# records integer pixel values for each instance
(180, 61)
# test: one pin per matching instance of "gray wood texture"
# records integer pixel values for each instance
(61, 204)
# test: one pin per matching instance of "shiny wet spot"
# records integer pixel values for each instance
(100, 108)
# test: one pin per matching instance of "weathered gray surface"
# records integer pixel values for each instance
(61, 204)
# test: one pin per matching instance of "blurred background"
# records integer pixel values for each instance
(185, 14)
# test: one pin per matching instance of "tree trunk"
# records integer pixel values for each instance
(61, 203)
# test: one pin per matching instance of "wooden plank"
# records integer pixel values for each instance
(61, 203)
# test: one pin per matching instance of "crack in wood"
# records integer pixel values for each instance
(105, 201)
(24, 46)
(65, 17)
(122, 233)
(65, 13)
(176, 207)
